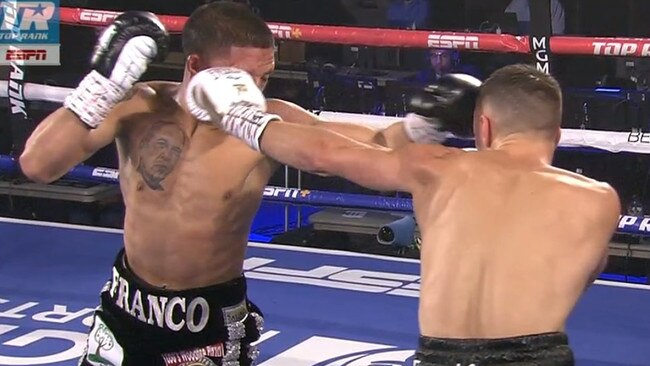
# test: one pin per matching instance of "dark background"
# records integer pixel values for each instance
(579, 75)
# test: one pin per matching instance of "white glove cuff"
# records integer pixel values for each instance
(193, 105)
(94, 98)
(247, 123)
(424, 130)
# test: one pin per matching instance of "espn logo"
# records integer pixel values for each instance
(452, 41)
(281, 192)
(25, 55)
(97, 16)
(30, 54)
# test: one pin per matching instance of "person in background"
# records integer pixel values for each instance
(443, 61)
(439, 62)
(408, 14)
(522, 9)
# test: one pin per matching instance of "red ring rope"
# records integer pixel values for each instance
(632, 47)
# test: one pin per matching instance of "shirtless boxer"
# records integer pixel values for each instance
(191, 191)
(509, 242)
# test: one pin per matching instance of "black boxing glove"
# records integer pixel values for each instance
(443, 109)
(122, 54)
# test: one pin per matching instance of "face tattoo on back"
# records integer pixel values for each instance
(160, 149)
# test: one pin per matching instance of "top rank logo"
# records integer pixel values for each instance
(29, 22)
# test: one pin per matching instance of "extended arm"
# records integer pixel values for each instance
(320, 151)
(442, 109)
(229, 99)
(392, 136)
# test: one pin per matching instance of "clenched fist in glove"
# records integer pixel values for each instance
(443, 109)
(228, 98)
(121, 56)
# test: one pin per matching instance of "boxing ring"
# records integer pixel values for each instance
(323, 307)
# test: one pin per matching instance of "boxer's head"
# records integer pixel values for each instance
(518, 99)
(228, 34)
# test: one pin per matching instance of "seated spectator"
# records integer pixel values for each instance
(443, 61)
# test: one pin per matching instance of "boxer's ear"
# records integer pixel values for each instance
(484, 133)
(193, 64)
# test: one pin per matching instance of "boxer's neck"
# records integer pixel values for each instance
(526, 146)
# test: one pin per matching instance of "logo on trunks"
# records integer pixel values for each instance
(194, 357)
(436, 40)
(621, 49)
(173, 313)
(102, 348)
(29, 34)
(639, 137)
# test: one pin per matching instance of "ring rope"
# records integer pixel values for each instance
(634, 225)
(504, 43)
(586, 140)
(603, 140)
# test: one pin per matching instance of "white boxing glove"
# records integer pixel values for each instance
(228, 98)
(121, 57)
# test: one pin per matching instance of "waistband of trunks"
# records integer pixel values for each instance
(547, 348)
(532, 341)
(191, 310)
(221, 294)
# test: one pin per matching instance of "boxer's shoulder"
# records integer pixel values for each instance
(148, 97)
(430, 161)
(576, 180)
(588, 191)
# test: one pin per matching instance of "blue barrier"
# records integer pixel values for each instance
(324, 198)
(8, 164)
(627, 224)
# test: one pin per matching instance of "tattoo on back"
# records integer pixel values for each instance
(159, 152)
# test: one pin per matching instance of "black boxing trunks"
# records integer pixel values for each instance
(548, 349)
(138, 324)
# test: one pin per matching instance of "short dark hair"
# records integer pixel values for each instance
(526, 99)
(218, 26)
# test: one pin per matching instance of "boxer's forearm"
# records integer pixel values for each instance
(373, 167)
(300, 146)
(325, 152)
(392, 136)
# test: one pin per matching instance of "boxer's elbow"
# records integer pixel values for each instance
(35, 168)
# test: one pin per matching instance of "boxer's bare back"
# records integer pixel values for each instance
(509, 244)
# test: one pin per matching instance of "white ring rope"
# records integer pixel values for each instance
(604, 140)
